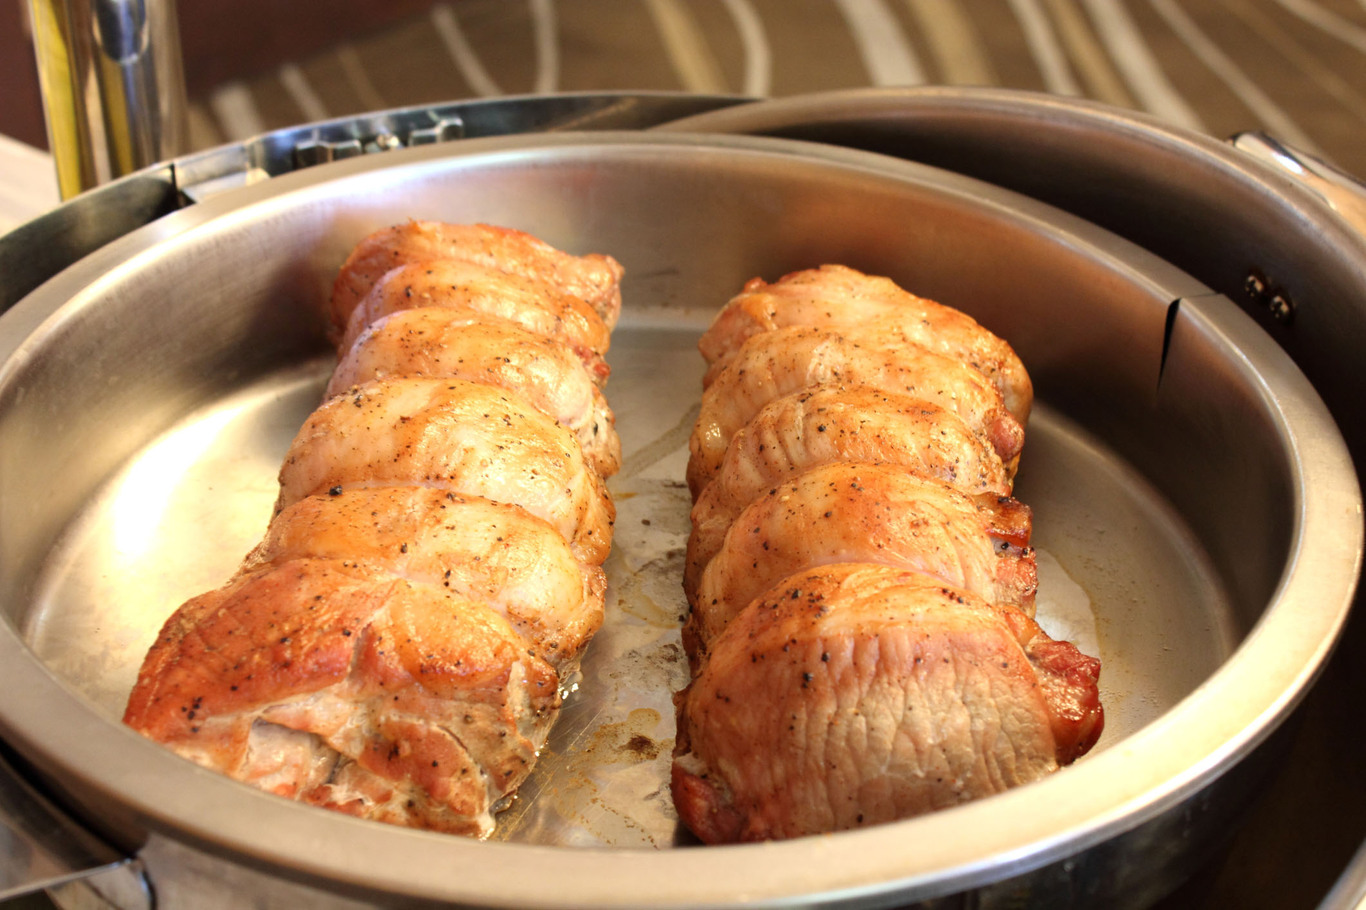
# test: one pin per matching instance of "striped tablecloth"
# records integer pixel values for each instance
(1295, 68)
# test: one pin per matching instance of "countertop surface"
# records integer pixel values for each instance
(28, 183)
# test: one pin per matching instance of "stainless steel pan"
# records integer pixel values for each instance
(1190, 489)
(1275, 230)
(1280, 233)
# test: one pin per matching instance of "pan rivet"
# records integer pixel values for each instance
(1282, 310)
(1264, 295)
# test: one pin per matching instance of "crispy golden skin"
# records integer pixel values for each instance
(861, 582)
(874, 513)
(838, 296)
(434, 342)
(480, 291)
(851, 695)
(341, 686)
(395, 646)
(786, 360)
(825, 424)
(454, 435)
(594, 279)
(494, 553)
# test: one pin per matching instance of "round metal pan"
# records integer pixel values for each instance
(1275, 230)
(1223, 212)
(1192, 498)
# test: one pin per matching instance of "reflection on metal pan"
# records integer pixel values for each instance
(1190, 492)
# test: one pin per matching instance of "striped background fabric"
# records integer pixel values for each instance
(1295, 68)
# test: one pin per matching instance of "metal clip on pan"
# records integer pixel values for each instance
(1344, 193)
(44, 848)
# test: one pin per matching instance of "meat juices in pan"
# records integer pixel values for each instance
(394, 647)
(860, 580)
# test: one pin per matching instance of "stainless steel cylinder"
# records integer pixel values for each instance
(113, 86)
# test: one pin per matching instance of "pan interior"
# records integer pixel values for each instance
(1120, 574)
(142, 424)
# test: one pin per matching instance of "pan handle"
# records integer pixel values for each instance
(1344, 193)
(41, 848)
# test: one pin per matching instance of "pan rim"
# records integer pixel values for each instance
(283, 837)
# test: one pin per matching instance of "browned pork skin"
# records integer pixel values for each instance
(836, 295)
(493, 553)
(351, 689)
(452, 434)
(594, 278)
(836, 423)
(434, 342)
(851, 695)
(482, 292)
(861, 582)
(393, 648)
(852, 512)
(779, 362)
